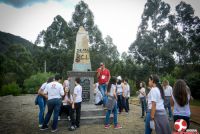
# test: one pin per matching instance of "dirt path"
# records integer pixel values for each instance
(19, 115)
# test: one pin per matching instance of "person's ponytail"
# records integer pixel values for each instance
(156, 80)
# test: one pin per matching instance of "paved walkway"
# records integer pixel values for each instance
(18, 115)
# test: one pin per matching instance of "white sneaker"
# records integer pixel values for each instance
(40, 125)
(68, 118)
(58, 117)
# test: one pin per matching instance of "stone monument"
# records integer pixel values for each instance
(82, 69)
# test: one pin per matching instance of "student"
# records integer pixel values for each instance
(42, 101)
(120, 95)
(142, 97)
(180, 100)
(168, 93)
(55, 92)
(76, 105)
(127, 93)
(111, 91)
(156, 112)
(98, 95)
(66, 104)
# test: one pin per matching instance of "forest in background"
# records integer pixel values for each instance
(167, 44)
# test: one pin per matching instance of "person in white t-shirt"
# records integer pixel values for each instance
(98, 95)
(156, 111)
(180, 100)
(76, 105)
(127, 93)
(142, 96)
(42, 101)
(55, 92)
(168, 93)
(66, 104)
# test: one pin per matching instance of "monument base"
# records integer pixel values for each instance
(91, 114)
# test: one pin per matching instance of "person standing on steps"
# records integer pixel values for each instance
(103, 75)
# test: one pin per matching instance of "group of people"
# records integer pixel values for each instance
(155, 100)
(159, 99)
(58, 99)
(115, 87)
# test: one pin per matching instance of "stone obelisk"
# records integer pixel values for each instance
(82, 68)
(82, 55)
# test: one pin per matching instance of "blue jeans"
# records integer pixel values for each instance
(143, 105)
(53, 107)
(147, 122)
(102, 88)
(114, 113)
(41, 104)
(167, 105)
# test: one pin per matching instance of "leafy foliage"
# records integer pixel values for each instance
(11, 88)
(33, 83)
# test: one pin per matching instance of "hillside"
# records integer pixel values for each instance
(7, 39)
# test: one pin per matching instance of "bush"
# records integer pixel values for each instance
(33, 83)
(170, 78)
(10, 89)
(193, 80)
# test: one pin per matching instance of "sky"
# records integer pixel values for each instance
(118, 18)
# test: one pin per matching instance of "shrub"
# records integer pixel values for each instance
(33, 83)
(10, 89)
(170, 78)
(193, 80)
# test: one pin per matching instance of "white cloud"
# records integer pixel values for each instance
(118, 18)
(27, 22)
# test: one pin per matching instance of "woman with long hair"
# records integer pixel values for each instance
(180, 100)
(156, 113)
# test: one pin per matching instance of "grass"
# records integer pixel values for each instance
(195, 102)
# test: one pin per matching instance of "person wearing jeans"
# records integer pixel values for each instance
(55, 92)
(111, 91)
(103, 75)
(42, 101)
(168, 93)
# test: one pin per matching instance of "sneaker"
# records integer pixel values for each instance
(126, 112)
(118, 126)
(58, 117)
(44, 128)
(106, 126)
(68, 118)
(40, 125)
(72, 128)
(54, 130)
(142, 117)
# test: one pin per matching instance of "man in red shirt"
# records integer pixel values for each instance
(103, 75)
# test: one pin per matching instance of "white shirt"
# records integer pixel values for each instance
(43, 86)
(78, 93)
(54, 90)
(98, 97)
(119, 88)
(181, 111)
(168, 90)
(142, 91)
(112, 90)
(155, 96)
(127, 90)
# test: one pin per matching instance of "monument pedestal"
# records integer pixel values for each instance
(90, 113)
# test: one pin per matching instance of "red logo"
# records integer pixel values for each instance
(180, 125)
